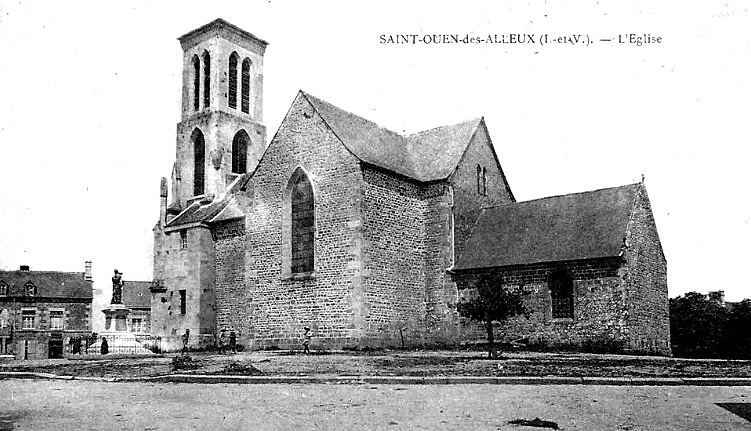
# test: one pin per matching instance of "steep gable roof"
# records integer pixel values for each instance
(426, 156)
(206, 212)
(558, 228)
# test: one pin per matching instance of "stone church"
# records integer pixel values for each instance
(370, 237)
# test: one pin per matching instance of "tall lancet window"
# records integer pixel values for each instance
(233, 80)
(199, 158)
(298, 233)
(245, 103)
(206, 79)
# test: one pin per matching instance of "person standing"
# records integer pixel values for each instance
(306, 340)
(186, 339)
(233, 341)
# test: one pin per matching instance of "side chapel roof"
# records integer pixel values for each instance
(558, 228)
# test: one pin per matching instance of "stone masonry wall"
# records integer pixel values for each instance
(600, 304)
(467, 202)
(646, 282)
(230, 291)
(330, 300)
(190, 269)
(393, 226)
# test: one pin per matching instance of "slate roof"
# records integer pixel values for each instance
(199, 212)
(558, 228)
(49, 284)
(426, 156)
(136, 294)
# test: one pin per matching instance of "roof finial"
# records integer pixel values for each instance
(642, 178)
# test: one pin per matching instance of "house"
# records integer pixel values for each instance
(40, 311)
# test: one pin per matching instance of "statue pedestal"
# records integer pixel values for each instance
(115, 318)
(119, 340)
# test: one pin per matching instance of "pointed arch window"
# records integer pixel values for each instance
(245, 102)
(240, 152)
(206, 79)
(479, 180)
(484, 181)
(3, 288)
(199, 158)
(562, 295)
(298, 226)
(233, 80)
(196, 83)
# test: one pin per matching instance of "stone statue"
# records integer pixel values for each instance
(117, 288)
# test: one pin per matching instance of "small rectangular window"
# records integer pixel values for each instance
(182, 302)
(27, 319)
(57, 319)
(183, 239)
(135, 325)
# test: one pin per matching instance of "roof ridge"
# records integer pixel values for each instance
(471, 120)
(563, 195)
(318, 99)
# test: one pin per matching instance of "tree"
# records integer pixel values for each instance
(492, 303)
(696, 326)
(736, 336)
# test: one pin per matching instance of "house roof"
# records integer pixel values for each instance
(136, 294)
(49, 284)
(558, 228)
(425, 156)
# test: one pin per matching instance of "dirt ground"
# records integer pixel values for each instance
(387, 363)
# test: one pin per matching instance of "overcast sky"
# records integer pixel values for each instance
(90, 96)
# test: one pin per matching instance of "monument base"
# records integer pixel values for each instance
(119, 340)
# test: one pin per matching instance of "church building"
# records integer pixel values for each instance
(370, 237)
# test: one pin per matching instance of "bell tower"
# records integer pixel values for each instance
(221, 135)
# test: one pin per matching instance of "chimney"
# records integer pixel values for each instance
(25, 268)
(87, 271)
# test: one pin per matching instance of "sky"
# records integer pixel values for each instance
(90, 98)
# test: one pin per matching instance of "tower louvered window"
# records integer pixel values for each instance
(233, 80)
(240, 152)
(245, 103)
(199, 157)
(206, 79)
(196, 82)
(303, 226)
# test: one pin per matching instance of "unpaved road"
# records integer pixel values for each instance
(68, 405)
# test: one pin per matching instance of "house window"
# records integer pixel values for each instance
(562, 295)
(3, 288)
(196, 83)
(233, 80)
(199, 153)
(240, 152)
(206, 79)
(136, 325)
(245, 102)
(30, 289)
(183, 239)
(27, 319)
(57, 319)
(182, 302)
